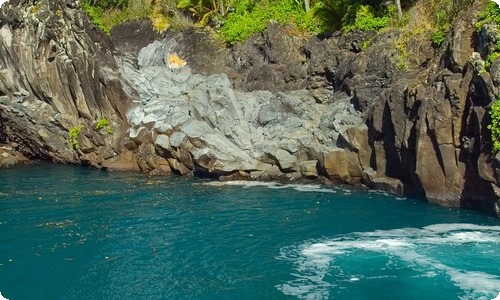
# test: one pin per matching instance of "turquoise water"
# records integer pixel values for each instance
(74, 233)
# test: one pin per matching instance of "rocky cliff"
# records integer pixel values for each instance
(279, 107)
(57, 72)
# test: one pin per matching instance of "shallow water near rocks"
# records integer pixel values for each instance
(74, 233)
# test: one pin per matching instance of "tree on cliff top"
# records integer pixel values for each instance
(235, 20)
(400, 11)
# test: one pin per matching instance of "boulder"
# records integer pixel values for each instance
(309, 169)
(341, 166)
(125, 161)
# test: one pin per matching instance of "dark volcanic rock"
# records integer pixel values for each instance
(427, 125)
(131, 37)
(275, 61)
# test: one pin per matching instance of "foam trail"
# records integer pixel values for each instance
(315, 259)
(273, 185)
(243, 183)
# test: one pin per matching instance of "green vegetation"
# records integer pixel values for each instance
(366, 43)
(494, 126)
(36, 8)
(366, 20)
(443, 25)
(105, 16)
(104, 123)
(434, 22)
(250, 17)
(438, 38)
(490, 15)
(493, 54)
(74, 132)
(73, 137)
(236, 20)
(201, 10)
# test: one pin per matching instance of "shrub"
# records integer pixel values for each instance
(107, 17)
(491, 57)
(104, 123)
(240, 25)
(201, 10)
(366, 20)
(490, 15)
(438, 38)
(494, 126)
(331, 13)
(101, 123)
(159, 20)
(73, 137)
(249, 17)
(36, 8)
(105, 4)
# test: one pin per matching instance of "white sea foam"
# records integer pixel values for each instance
(311, 188)
(243, 183)
(273, 185)
(459, 226)
(317, 258)
(476, 285)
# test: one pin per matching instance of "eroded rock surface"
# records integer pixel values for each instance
(210, 128)
(57, 73)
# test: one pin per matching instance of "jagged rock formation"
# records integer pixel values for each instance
(279, 107)
(56, 73)
(201, 124)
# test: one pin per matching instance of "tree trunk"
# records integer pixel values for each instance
(307, 5)
(221, 7)
(400, 11)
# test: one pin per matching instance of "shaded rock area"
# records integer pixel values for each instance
(281, 106)
(56, 73)
(9, 156)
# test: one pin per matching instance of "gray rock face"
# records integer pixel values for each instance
(207, 127)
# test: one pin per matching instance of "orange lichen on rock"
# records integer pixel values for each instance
(175, 61)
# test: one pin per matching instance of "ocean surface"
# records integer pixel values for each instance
(75, 233)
